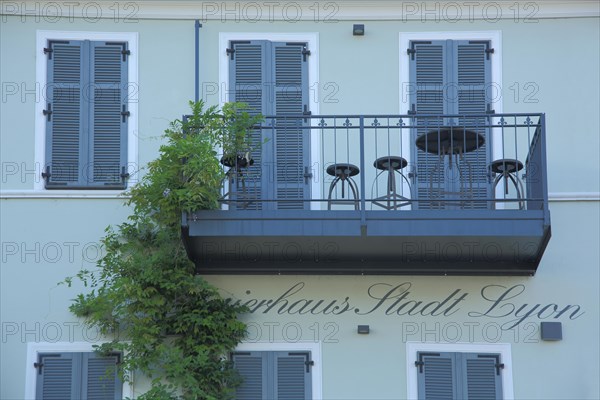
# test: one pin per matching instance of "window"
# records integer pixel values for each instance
(86, 119)
(86, 115)
(451, 77)
(274, 375)
(459, 371)
(272, 78)
(77, 376)
(459, 375)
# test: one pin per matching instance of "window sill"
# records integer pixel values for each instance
(63, 194)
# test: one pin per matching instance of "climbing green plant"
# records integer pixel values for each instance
(167, 322)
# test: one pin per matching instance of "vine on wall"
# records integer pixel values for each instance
(168, 323)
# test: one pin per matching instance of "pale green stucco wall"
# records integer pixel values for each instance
(561, 57)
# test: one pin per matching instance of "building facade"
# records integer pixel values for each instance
(422, 221)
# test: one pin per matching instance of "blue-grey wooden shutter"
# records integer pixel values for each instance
(100, 377)
(436, 376)
(86, 145)
(469, 376)
(291, 138)
(428, 72)
(107, 130)
(451, 77)
(292, 376)
(55, 379)
(252, 367)
(248, 72)
(473, 82)
(482, 378)
(66, 113)
(78, 376)
(272, 78)
(271, 375)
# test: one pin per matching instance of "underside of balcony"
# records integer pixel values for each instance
(506, 242)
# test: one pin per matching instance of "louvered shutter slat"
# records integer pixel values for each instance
(252, 369)
(482, 381)
(108, 127)
(451, 77)
(436, 380)
(248, 76)
(64, 125)
(292, 377)
(473, 79)
(291, 139)
(102, 381)
(57, 380)
(427, 72)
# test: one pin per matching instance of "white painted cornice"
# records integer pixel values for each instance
(304, 10)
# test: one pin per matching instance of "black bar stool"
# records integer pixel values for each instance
(507, 169)
(343, 172)
(393, 165)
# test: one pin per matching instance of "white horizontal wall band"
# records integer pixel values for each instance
(305, 10)
(574, 196)
(113, 194)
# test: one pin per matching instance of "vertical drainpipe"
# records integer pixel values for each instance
(198, 25)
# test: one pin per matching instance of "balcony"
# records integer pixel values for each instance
(411, 194)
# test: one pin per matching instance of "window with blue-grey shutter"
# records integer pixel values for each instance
(451, 77)
(272, 78)
(459, 376)
(273, 375)
(78, 376)
(86, 115)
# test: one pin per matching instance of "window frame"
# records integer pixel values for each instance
(42, 38)
(315, 352)
(412, 348)
(34, 349)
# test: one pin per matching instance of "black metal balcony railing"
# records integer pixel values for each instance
(389, 193)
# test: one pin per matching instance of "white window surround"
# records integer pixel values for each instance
(41, 61)
(315, 354)
(504, 349)
(312, 39)
(35, 348)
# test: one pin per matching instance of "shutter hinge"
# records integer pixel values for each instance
(306, 112)
(490, 110)
(309, 363)
(124, 175)
(48, 112)
(46, 174)
(305, 52)
(307, 175)
(413, 110)
(125, 113)
(499, 366)
(38, 366)
(125, 53)
(48, 50)
(420, 365)
(230, 51)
